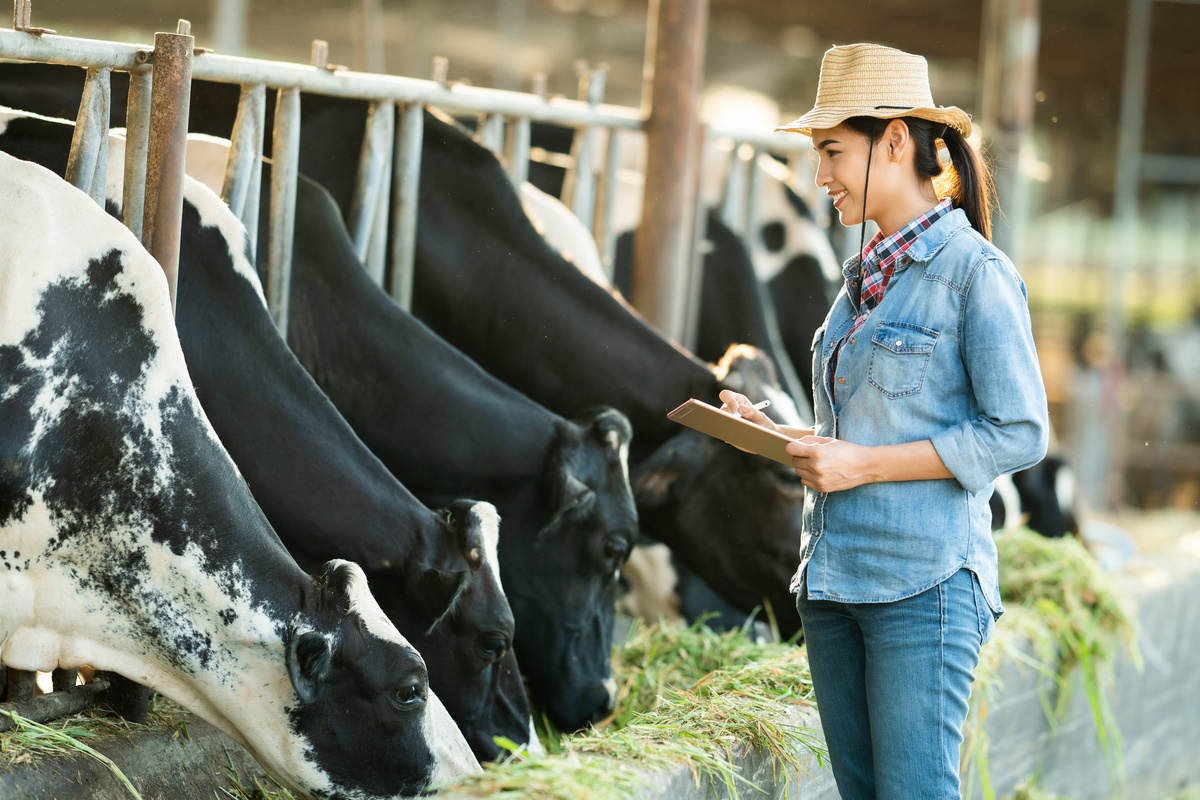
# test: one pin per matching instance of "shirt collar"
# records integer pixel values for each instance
(882, 252)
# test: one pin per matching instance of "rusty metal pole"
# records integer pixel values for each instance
(171, 94)
(661, 256)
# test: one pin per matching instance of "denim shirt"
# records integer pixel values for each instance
(948, 356)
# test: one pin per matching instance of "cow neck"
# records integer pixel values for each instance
(578, 346)
(437, 420)
(324, 491)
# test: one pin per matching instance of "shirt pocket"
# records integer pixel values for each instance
(900, 354)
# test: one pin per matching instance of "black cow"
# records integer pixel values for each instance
(323, 491)
(128, 540)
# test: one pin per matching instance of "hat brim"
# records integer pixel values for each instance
(821, 118)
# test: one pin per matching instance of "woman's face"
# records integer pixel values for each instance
(842, 171)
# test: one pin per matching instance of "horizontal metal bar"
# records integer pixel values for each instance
(776, 142)
(336, 83)
(55, 705)
(1171, 169)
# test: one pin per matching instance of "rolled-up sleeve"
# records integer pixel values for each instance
(1011, 431)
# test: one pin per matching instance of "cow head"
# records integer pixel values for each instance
(469, 651)
(688, 486)
(562, 583)
(352, 672)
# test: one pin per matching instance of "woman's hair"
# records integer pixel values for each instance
(965, 180)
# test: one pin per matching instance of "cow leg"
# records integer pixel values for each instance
(129, 700)
(64, 679)
(21, 685)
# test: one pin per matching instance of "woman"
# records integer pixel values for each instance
(927, 389)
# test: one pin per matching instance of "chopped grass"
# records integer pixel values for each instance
(686, 695)
(34, 737)
(239, 791)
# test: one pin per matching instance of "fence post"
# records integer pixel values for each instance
(167, 148)
(137, 138)
(662, 251)
(371, 184)
(87, 164)
(285, 154)
(579, 186)
(241, 187)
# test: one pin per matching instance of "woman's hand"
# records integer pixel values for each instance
(739, 404)
(831, 465)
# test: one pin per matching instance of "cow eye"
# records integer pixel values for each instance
(616, 550)
(410, 696)
(493, 647)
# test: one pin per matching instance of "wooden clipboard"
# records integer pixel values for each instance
(700, 416)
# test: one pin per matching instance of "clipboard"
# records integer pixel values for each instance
(700, 416)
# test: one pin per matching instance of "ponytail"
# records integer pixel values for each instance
(964, 180)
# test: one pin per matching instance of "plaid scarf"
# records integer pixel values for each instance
(879, 259)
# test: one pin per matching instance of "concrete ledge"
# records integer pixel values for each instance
(160, 763)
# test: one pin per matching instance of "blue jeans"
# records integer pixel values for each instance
(892, 682)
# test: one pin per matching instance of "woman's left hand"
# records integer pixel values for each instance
(830, 465)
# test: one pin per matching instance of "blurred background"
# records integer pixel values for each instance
(1088, 108)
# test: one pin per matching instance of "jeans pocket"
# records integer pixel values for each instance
(900, 354)
(987, 621)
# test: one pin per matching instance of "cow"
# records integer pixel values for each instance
(129, 541)
(323, 491)
(446, 427)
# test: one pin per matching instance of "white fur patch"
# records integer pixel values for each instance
(489, 524)
(563, 231)
(453, 756)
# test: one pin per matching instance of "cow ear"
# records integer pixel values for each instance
(308, 661)
(670, 470)
(438, 591)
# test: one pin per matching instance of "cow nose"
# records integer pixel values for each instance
(605, 710)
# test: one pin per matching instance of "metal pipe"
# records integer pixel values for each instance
(605, 236)
(241, 186)
(516, 149)
(579, 187)
(733, 205)
(1170, 169)
(21, 685)
(376, 261)
(336, 83)
(285, 152)
(753, 192)
(700, 247)
(167, 150)
(137, 142)
(56, 705)
(491, 132)
(406, 186)
(373, 176)
(87, 164)
(662, 250)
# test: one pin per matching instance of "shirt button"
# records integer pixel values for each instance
(851, 340)
(841, 380)
(899, 343)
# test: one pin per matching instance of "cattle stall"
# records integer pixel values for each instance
(387, 179)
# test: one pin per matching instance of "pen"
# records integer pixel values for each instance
(756, 407)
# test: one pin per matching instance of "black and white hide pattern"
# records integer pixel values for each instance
(323, 491)
(129, 542)
(1045, 498)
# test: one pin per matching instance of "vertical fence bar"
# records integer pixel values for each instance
(373, 176)
(606, 237)
(733, 205)
(21, 685)
(285, 154)
(87, 163)
(699, 248)
(137, 139)
(753, 190)
(579, 187)
(241, 188)
(516, 149)
(167, 149)
(376, 261)
(406, 186)
(491, 132)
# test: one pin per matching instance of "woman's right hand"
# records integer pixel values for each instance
(739, 404)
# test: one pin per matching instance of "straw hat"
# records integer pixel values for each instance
(870, 80)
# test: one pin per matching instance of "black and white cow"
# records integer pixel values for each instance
(447, 428)
(324, 492)
(129, 542)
